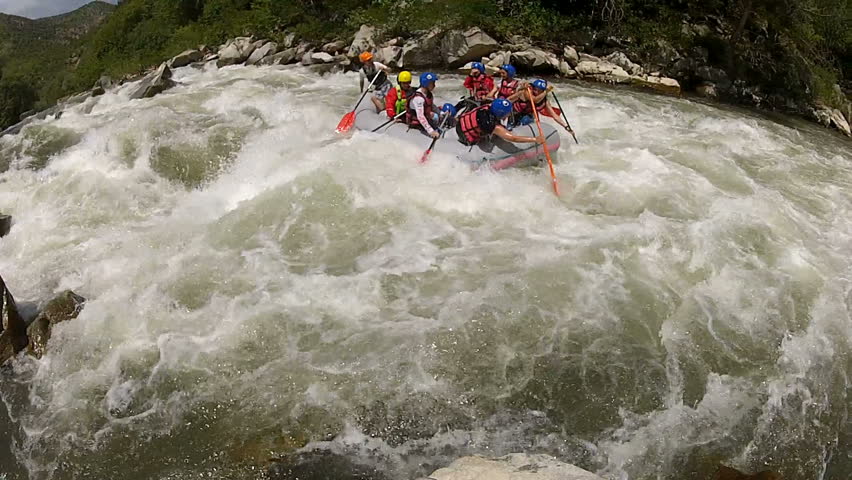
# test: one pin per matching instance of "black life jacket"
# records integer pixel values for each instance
(507, 89)
(469, 128)
(411, 114)
(370, 73)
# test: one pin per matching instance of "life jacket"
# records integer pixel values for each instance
(411, 114)
(523, 106)
(402, 99)
(469, 126)
(507, 89)
(370, 73)
(480, 86)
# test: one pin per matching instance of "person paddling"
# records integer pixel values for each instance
(420, 111)
(397, 97)
(508, 85)
(523, 105)
(381, 86)
(478, 83)
(480, 123)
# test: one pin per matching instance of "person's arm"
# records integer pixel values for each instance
(517, 95)
(493, 93)
(554, 116)
(501, 132)
(421, 116)
(361, 77)
(390, 103)
(382, 66)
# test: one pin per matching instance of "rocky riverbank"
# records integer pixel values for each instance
(615, 61)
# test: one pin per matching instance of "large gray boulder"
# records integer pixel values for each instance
(390, 56)
(265, 50)
(515, 466)
(334, 47)
(289, 40)
(154, 84)
(620, 59)
(13, 338)
(66, 306)
(422, 52)
(364, 41)
(236, 51)
(535, 60)
(321, 57)
(571, 56)
(471, 45)
(281, 58)
(185, 58)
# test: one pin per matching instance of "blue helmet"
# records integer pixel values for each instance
(450, 108)
(501, 107)
(540, 84)
(510, 70)
(478, 66)
(427, 78)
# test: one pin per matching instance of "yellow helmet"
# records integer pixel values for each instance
(404, 77)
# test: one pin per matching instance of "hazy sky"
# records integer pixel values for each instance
(41, 8)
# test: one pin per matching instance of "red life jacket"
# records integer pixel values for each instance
(469, 126)
(523, 106)
(411, 114)
(507, 89)
(480, 86)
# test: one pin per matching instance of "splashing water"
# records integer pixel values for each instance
(257, 284)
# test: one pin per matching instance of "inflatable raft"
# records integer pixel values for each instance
(494, 153)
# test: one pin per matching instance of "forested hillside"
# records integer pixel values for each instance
(795, 49)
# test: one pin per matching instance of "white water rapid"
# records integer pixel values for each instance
(256, 283)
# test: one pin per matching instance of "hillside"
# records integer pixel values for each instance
(35, 56)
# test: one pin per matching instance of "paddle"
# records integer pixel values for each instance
(564, 117)
(389, 121)
(349, 119)
(541, 132)
(447, 114)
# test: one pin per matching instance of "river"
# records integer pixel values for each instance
(256, 283)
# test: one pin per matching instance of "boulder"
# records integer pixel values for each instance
(838, 121)
(363, 41)
(571, 56)
(585, 57)
(307, 59)
(265, 50)
(321, 57)
(289, 40)
(302, 48)
(587, 68)
(713, 75)
(535, 60)
(661, 84)
(155, 83)
(280, 58)
(237, 51)
(620, 59)
(460, 47)
(185, 58)
(663, 54)
(498, 59)
(518, 42)
(5, 225)
(390, 56)
(334, 47)
(13, 338)
(516, 466)
(707, 89)
(66, 306)
(321, 465)
(566, 71)
(422, 52)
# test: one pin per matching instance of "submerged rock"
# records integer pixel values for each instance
(515, 466)
(66, 306)
(322, 465)
(5, 224)
(13, 338)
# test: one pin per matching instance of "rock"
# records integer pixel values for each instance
(307, 59)
(302, 48)
(334, 47)
(516, 466)
(588, 58)
(5, 225)
(706, 89)
(661, 84)
(66, 306)
(728, 473)
(498, 59)
(280, 58)
(571, 56)
(390, 56)
(460, 47)
(321, 465)
(236, 51)
(713, 75)
(265, 50)
(185, 58)
(423, 51)
(321, 57)
(566, 71)
(155, 83)
(535, 60)
(838, 121)
(289, 40)
(105, 82)
(363, 41)
(620, 59)
(587, 68)
(13, 338)
(663, 54)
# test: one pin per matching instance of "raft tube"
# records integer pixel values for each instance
(494, 153)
